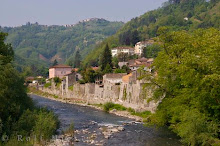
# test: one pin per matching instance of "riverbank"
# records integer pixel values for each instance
(96, 127)
(123, 113)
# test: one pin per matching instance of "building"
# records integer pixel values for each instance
(135, 64)
(139, 47)
(113, 78)
(118, 50)
(59, 71)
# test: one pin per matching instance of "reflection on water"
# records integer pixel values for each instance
(91, 119)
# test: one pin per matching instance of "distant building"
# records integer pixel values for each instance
(139, 47)
(135, 64)
(59, 71)
(118, 50)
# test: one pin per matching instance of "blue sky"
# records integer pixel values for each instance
(61, 12)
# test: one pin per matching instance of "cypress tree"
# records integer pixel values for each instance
(106, 58)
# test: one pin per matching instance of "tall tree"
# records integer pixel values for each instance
(188, 83)
(77, 59)
(106, 58)
(13, 97)
(6, 51)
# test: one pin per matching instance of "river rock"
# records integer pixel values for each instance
(121, 128)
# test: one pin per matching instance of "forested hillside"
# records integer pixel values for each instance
(175, 14)
(39, 45)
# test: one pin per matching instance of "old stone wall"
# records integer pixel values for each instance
(127, 94)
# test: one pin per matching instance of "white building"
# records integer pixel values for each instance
(118, 50)
(141, 45)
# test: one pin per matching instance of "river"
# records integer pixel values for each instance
(90, 122)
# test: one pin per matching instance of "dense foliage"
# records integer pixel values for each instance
(18, 115)
(188, 84)
(37, 46)
(177, 14)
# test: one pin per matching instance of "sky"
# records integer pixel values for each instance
(62, 12)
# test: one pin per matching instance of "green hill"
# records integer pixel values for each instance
(175, 14)
(39, 45)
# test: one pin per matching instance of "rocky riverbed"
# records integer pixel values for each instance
(95, 127)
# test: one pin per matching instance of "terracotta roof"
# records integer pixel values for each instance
(61, 66)
(69, 74)
(95, 68)
(75, 69)
(126, 78)
(150, 41)
(121, 48)
(143, 59)
(141, 64)
(115, 75)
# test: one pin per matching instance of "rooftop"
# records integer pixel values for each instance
(121, 48)
(61, 66)
(115, 75)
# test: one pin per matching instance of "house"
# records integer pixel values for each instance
(113, 78)
(135, 64)
(71, 78)
(59, 71)
(118, 50)
(141, 45)
(121, 64)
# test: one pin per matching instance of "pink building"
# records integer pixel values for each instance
(59, 71)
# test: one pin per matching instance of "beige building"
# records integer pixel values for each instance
(118, 50)
(139, 47)
(59, 71)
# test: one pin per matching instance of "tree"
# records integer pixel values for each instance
(6, 51)
(151, 51)
(77, 59)
(108, 69)
(89, 75)
(106, 58)
(55, 62)
(123, 57)
(13, 97)
(188, 83)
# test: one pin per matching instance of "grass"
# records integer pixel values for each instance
(47, 85)
(70, 130)
(70, 88)
(143, 114)
(110, 106)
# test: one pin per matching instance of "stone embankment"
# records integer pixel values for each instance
(114, 111)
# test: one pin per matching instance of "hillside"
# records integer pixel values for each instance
(39, 45)
(175, 14)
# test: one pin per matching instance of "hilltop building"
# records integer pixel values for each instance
(118, 50)
(139, 47)
(59, 71)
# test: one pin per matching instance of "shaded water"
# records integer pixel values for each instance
(84, 118)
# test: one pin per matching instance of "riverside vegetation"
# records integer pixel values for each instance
(18, 114)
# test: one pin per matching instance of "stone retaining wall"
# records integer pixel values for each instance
(127, 94)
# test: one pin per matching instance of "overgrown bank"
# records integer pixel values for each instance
(21, 122)
(188, 80)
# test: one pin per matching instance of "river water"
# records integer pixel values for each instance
(89, 120)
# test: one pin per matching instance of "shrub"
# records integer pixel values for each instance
(46, 124)
(47, 85)
(57, 80)
(109, 106)
(70, 88)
